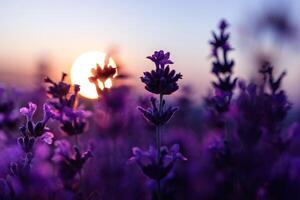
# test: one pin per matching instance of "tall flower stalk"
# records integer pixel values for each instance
(73, 122)
(161, 81)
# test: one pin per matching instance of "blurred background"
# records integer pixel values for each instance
(45, 37)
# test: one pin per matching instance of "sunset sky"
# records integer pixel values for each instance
(59, 31)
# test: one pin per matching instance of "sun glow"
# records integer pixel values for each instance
(81, 71)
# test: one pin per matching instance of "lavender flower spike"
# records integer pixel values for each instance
(148, 162)
(154, 116)
(162, 80)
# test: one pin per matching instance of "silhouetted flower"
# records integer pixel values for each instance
(69, 164)
(268, 77)
(60, 89)
(147, 160)
(220, 43)
(160, 58)
(161, 80)
(102, 74)
(154, 116)
(60, 93)
(222, 68)
(72, 119)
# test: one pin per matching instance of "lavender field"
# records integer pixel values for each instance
(96, 131)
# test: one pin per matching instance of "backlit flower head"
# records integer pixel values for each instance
(268, 77)
(102, 74)
(160, 58)
(61, 93)
(220, 48)
(60, 89)
(162, 80)
(222, 68)
(154, 116)
(148, 162)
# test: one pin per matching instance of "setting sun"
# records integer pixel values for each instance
(81, 71)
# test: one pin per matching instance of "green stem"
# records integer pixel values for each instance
(158, 144)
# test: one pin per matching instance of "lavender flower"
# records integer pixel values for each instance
(160, 58)
(60, 93)
(162, 80)
(39, 128)
(222, 68)
(73, 120)
(220, 43)
(154, 116)
(152, 168)
(102, 74)
(267, 72)
(69, 164)
(35, 130)
(60, 89)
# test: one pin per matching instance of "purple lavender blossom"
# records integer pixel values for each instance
(162, 80)
(148, 163)
(73, 120)
(35, 130)
(156, 117)
(28, 112)
(160, 58)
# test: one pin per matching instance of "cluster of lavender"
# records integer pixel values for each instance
(73, 122)
(157, 163)
(243, 143)
(252, 142)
